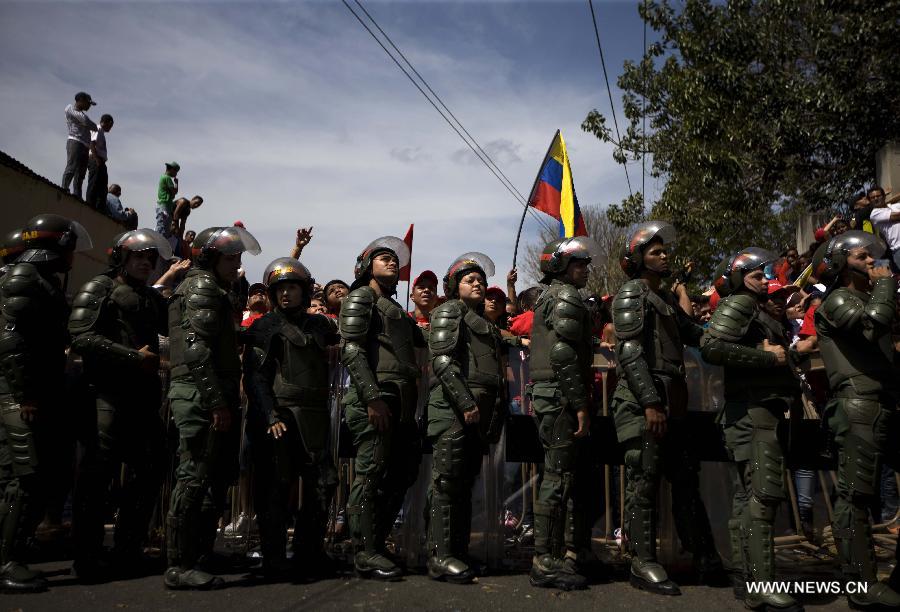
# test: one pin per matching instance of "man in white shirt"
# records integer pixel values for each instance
(886, 219)
(79, 126)
(98, 177)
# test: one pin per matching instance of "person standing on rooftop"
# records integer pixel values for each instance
(78, 144)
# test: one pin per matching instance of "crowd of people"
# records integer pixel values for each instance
(258, 354)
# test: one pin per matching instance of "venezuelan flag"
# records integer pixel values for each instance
(554, 191)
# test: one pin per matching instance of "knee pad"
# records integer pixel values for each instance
(761, 511)
(859, 462)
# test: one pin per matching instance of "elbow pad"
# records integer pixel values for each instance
(564, 360)
(730, 354)
(455, 388)
(354, 359)
(631, 359)
(881, 305)
(198, 359)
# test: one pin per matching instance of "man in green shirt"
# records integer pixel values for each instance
(165, 198)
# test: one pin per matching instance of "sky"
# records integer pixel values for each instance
(288, 114)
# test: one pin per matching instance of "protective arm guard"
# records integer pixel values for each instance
(356, 316)
(628, 320)
(728, 326)
(443, 342)
(567, 318)
(86, 341)
(259, 374)
(202, 303)
(881, 305)
(19, 288)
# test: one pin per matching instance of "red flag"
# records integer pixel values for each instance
(405, 270)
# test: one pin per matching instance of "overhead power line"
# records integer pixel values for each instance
(612, 107)
(455, 124)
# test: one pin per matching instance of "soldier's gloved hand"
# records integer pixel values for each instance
(277, 430)
(778, 350)
(221, 419)
(472, 415)
(655, 420)
(28, 411)
(379, 415)
(149, 359)
(584, 423)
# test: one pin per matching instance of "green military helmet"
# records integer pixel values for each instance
(143, 239)
(49, 237)
(288, 269)
(830, 258)
(731, 271)
(362, 271)
(222, 241)
(556, 256)
(11, 246)
(468, 262)
(632, 260)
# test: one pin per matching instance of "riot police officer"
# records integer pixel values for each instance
(205, 397)
(853, 325)
(379, 341)
(115, 325)
(33, 339)
(651, 329)
(286, 381)
(759, 388)
(561, 359)
(465, 412)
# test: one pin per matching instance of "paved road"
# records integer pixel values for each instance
(494, 594)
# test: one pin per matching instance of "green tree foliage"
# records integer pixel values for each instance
(756, 111)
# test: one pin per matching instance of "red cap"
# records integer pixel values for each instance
(239, 223)
(426, 276)
(820, 234)
(776, 286)
(496, 291)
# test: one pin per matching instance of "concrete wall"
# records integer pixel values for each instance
(25, 195)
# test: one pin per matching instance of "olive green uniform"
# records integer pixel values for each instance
(466, 363)
(33, 339)
(651, 331)
(206, 370)
(111, 321)
(286, 380)
(561, 359)
(379, 341)
(758, 392)
(854, 331)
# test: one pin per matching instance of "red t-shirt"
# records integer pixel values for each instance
(808, 327)
(249, 318)
(520, 325)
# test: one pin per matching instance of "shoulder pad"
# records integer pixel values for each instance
(628, 309)
(88, 302)
(445, 320)
(202, 293)
(22, 279)
(262, 329)
(733, 316)
(568, 314)
(842, 309)
(356, 312)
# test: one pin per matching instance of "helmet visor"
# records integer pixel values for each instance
(582, 247)
(83, 238)
(393, 244)
(855, 239)
(144, 239)
(471, 260)
(647, 231)
(752, 258)
(231, 240)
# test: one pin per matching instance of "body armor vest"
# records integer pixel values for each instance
(543, 337)
(391, 347)
(225, 359)
(301, 378)
(481, 343)
(856, 366)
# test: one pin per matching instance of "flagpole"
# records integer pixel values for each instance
(530, 197)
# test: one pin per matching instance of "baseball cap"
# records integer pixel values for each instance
(426, 276)
(776, 286)
(256, 288)
(173, 165)
(85, 96)
(494, 289)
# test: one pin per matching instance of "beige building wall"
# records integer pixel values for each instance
(887, 167)
(24, 194)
